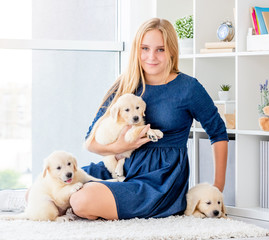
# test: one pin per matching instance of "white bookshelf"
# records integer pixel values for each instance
(241, 69)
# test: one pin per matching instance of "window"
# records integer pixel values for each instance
(15, 96)
(56, 77)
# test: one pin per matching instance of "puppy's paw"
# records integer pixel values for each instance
(198, 214)
(65, 218)
(158, 133)
(69, 213)
(120, 178)
(152, 135)
(76, 187)
(119, 171)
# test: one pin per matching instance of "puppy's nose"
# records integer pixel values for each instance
(135, 118)
(69, 175)
(216, 212)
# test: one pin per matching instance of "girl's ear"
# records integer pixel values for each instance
(114, 111)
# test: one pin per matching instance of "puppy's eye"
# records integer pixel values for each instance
(59, 168)
(208, 203)
(137, 107)
(127, 109)
(68, 164)
(218, 202)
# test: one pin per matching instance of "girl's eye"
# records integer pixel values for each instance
(58, 168)
(68, 164)
(161, 50)
(208, 203)
(127, 109)
(145, 48)
(137, 107)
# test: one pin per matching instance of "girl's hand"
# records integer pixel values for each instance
(121, 145)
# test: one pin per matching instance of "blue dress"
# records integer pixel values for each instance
(157, 173)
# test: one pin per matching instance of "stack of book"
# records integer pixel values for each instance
(218, 47)
(264, 174)
(260, 20)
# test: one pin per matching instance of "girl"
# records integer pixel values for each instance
(157, 172)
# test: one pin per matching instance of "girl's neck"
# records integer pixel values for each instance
(160, 80)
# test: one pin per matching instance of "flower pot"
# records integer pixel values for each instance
(185, 46)
(264, 123)
(224, 95)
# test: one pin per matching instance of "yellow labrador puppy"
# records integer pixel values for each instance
(49, 195)
(205, 200)
(128, 110)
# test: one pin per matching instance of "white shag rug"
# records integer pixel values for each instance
(174, 227)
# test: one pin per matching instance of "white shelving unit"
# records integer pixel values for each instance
(241, 69)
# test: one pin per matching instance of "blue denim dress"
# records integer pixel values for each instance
(157, 173)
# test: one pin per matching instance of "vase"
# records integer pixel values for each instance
(185, 46)
(224, 95)
(264, 123)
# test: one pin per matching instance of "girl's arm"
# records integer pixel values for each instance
(120, 145)
(220, 152)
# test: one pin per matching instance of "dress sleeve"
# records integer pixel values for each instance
(204, 110)
(100, 113)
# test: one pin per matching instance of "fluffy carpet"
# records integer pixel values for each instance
(174, 227)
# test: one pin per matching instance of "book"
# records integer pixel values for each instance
(217, 50)
(266, 19)
(218, 45)
(254, 20)
(259, 31)
(261, 23)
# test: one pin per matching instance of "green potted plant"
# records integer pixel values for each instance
(184, 29)
(224, 92)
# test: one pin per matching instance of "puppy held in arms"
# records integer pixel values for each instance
(49, 195)
(129, 109)
(205, 200)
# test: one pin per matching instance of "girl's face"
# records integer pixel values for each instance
(153, 57)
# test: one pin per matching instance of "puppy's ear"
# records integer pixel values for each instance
(223, 210)
(74, 160)
(114, 111)
(46, 167)
(143, 104)
(192, 203)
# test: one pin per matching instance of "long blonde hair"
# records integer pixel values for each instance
(129, 81)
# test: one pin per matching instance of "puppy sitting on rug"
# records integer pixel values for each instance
(205, 200)
(49, 196)
(129, 109)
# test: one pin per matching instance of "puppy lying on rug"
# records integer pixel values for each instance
(205, 200)
(128, 110)
(49, 195)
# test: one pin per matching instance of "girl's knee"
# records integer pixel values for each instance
(82, 203)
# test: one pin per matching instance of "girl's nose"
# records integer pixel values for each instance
(152, 55)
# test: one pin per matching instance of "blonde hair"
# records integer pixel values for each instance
(129, 81)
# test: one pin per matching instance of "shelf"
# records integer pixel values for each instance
(214, 55)
(235, 131)
(244, 71)
(224, 55)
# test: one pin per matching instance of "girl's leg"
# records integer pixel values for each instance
(94, 200)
